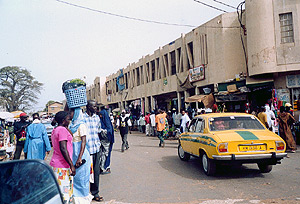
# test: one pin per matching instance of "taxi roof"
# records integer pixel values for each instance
(210, 115)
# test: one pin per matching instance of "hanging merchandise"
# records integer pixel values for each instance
(274, 106)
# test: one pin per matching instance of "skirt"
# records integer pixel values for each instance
(65, 182)
(82, 177)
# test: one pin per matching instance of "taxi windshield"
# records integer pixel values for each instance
(234, 123)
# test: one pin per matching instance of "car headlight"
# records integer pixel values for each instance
(279, 145)
(223, 147)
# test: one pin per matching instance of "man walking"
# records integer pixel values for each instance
(20, 131)
(37, 141)
(185, 119)
(122, 123)
(152, 120)
(93, 124)
(147, 120)
(161, 124)
(262, 116)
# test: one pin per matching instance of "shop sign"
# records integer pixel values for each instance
(196, 74)
(293, 81)
(283, 95)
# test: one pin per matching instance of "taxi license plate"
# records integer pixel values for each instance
(246, 148)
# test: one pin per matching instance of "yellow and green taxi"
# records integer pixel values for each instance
(230, 138)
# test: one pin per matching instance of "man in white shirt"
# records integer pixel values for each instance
(185, 119)
(152, 121)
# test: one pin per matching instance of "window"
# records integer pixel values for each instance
(192, 127)
(200, 126)
(173, 63)
(138, 82)
(286, 27)
(235, 123)
(190, 55)
(179, 62)
(153, 70)
(126, 81)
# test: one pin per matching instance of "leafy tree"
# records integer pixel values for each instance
(18, 88)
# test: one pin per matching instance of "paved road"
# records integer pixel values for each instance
(148, 174)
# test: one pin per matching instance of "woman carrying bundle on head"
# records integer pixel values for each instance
(81, 158)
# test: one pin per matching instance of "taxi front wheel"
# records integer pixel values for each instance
(208, 165)
(264, 168)
(182, 154)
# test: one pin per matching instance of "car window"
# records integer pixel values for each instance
(200, 126)
(192, 126)
(234, 123)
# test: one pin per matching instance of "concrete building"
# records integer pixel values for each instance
(261, 45)
(55, 107)
(273, 44)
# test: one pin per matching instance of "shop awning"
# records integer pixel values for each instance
(207, 100)
(223, 86)
(230, 97)
(259, 82)
(116, 110)
(195, 98)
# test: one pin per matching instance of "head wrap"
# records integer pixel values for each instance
(77, 120)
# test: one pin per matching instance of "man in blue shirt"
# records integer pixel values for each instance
(93, 124)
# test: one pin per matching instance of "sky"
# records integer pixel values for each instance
(56, 41)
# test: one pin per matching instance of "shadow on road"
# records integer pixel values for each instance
(193, 169)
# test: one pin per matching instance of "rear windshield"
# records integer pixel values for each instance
(234, 123)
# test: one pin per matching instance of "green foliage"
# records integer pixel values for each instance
(18, 88)
(77, 81)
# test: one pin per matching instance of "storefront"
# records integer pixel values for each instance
(293, 84)
(232, 96)
(260, 91)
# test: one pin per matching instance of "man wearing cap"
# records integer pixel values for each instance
(20, 131)
(122, 123)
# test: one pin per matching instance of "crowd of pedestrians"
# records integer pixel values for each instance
(83, 141)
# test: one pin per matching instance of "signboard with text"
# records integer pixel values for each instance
(196, 74)
(293, 81)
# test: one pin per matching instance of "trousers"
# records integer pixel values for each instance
(124, 142)
(94, 187)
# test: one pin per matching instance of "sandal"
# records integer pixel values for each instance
(98, 198)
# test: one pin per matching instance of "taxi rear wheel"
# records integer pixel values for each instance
(264, 168)
(182, 154)
(208, 165)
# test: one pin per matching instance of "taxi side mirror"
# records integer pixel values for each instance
(28, 181)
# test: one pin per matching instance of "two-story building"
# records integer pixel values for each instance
(55, 107)
(258, 49)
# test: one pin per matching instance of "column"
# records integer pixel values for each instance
(142, 106)
(179, 101)
(186, 95)
(146, 104)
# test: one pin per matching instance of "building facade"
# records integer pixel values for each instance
(55, 107)
(261, 45)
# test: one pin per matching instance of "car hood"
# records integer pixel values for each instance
(244, 135)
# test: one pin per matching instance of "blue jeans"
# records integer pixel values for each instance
(160, 137)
